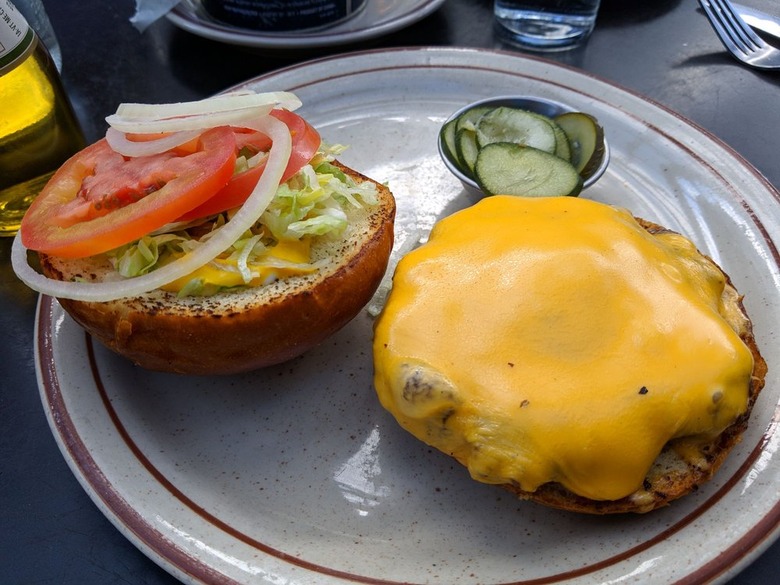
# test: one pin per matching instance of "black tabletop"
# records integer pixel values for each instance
(50, 530)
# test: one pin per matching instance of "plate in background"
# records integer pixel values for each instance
(377, 18)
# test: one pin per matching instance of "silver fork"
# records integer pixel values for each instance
(741, 41)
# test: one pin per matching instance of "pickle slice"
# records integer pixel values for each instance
(586, 138)
(505, 168)
(505, 124)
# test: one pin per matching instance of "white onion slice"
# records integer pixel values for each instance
(193, 122)
(220, 240)
(184, 120)
(220, 103)
(119, 143)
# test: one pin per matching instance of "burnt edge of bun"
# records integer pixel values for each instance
(662, 486)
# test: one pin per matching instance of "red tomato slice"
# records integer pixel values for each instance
(251, 139)
(305, 139)
(99, 200)
(305, 142)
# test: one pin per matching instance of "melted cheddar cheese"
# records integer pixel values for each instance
(295, 257)
(556, 340)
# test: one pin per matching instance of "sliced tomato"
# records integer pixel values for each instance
(99, 200)
(305, 142)
(251, 140)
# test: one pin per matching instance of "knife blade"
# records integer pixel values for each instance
(761, 21)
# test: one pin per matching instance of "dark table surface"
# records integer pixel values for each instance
(50, 531)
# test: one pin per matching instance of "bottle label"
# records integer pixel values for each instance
(17, 39)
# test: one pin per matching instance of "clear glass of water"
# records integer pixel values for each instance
(545, 25)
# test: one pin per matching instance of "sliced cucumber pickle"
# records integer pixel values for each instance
(466, 147)
(447, 136)
(562, 143)
(504, 124)
(505, 168)
(586, 138)
(514, 151)
(469, 118)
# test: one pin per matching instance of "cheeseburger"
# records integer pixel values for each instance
(569, 352)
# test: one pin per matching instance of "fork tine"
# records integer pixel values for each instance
(714, 16)
(746, 35)
(741, 41)
(729, 27)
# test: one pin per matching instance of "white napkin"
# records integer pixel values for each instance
(148, 11)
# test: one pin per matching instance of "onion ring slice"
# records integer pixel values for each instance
(119, 142)
(220, 103)
(219, 110)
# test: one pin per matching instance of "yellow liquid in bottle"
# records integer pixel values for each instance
(38, 132)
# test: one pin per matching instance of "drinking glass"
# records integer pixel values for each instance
(545, 25)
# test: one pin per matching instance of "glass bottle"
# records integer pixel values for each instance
(34, 13)
(38, 128)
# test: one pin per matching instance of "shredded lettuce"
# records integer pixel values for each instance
(242, 260)
(318, 225)
(310, 204)
(144, 255)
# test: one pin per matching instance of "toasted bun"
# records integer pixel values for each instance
(240, 331)
(674, 473)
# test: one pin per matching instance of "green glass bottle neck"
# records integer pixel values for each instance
(17, 38)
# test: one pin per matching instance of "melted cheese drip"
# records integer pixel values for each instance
(224, 273)
(555, 340)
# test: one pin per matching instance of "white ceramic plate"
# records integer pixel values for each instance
(376, 19)
(296, 475)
